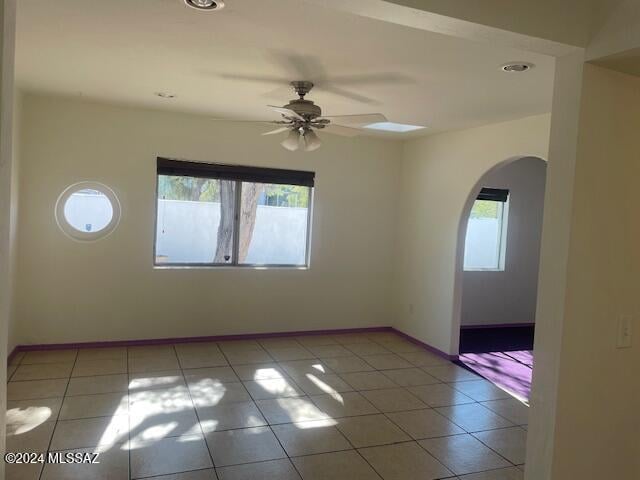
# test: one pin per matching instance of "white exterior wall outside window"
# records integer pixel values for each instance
(485, 244)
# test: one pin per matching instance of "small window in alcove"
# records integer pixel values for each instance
(486, 241)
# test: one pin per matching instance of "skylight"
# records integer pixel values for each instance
(393, 127)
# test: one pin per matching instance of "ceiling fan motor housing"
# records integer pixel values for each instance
(305, 108)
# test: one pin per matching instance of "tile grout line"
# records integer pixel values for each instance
(467, 432)
(64, 394)
(338, 430)
(273, 432)
(411, 439)
(347, 438)
(129, 473)
(341, 433)
(464, 430)
(159, 477)
(195, 410)
(292, 380)
(491, 448)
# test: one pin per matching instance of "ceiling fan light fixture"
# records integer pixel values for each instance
(311, 141)
(292, 142)
(205, 5)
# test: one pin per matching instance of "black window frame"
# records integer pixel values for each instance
(493, 194)
(237, 174)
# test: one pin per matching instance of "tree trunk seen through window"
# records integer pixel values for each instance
(249, 204)
(196, 189)
(225, 228)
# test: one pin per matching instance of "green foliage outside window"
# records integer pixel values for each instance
(208, 190)
(484, 209)
(286, 196)
(188, 188)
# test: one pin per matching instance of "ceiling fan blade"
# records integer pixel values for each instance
(379, 78)
(347, 94)
(277, 130)
(303, 67)
(253, 78)
(342, 131)
(232, 120)
(286, 112)
(356, 120)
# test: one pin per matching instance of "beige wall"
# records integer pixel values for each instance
(438, 175)
(552, 278)
(510, 295)
(597, 419)
(70, 291)
(75, 292)
(108, 290)
(7, 216)
(12, 336)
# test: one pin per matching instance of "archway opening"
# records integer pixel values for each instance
(497, 273)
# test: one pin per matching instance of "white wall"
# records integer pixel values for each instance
(510, 296)
(12, 340)
(108, 290)
(7, 215)
(63, 283)
(598, 391)
(441, 171)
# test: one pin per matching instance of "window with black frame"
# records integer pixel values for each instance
(486, 240)
(216, 215)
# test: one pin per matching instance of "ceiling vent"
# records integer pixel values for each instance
(205, 5)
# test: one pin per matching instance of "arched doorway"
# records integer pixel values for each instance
(497, 273)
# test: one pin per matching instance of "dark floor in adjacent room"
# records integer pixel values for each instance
(502, 355)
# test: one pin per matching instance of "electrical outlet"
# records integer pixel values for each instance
(624, 331)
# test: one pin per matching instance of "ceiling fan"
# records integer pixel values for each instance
(302, 118)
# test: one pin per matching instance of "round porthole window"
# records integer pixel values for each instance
(88, 211)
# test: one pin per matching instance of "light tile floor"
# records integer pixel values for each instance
(349, 406)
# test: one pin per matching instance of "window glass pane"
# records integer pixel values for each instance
(195, 220)
(88, 210)
(484, 236)
(273, 224)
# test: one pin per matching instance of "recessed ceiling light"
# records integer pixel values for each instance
(206, 5)
(517, 67)
(393, 127)
(164, 95)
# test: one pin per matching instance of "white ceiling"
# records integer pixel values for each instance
(123, 51)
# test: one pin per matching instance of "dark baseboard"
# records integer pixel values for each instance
(219, 338)
(496, 338)
(13, 353)
(426, 346)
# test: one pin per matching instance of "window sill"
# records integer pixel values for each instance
(231, 267)
(484, 269)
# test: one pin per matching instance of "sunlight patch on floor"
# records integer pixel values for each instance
(21, 421)
(325, 388)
